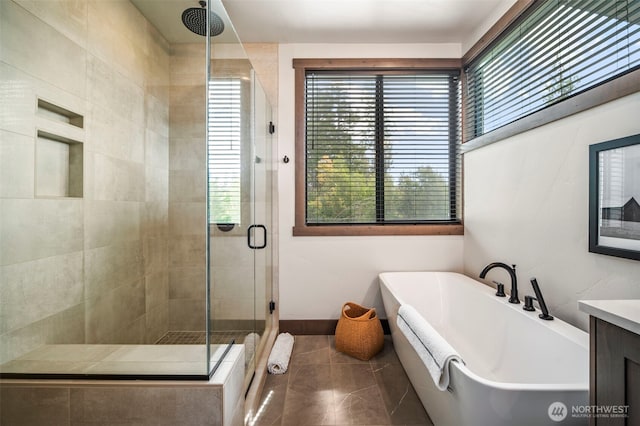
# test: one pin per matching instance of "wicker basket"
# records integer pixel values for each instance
(359, 332)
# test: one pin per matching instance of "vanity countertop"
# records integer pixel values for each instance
(623, 313)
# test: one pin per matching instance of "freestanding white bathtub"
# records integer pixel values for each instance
(516, 364)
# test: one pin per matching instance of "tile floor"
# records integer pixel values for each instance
(326, 387)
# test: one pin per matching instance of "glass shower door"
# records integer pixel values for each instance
(241, 255)
(240, 170)
(260, 231)
(230, 176)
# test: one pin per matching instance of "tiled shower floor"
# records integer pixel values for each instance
(325, 387)
(198, 337)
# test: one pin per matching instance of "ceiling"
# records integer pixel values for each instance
(336, 21)
(166, 16)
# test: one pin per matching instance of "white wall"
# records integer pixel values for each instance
(319, 274)
(526, 202)
(495, 15)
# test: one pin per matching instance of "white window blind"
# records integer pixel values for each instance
(556, 50)
(381, 147)
(224, 153)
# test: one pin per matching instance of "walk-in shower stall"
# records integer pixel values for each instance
(136, 171)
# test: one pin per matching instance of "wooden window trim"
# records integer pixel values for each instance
(363, 230)
(366, 64)
(300, 228)
(510, 17)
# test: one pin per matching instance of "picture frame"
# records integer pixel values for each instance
(614, 197)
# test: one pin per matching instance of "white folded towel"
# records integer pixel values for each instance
(434, 351)
(280, 354)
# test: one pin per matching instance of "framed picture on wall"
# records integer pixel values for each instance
(614, 197)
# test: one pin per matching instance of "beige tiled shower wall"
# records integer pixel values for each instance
(264, 59)
(187, 188)
(91, 269)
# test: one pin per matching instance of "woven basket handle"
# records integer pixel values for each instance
(365, 316)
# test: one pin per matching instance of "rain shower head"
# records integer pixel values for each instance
(195, 19)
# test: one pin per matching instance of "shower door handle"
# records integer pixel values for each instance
(249, 239)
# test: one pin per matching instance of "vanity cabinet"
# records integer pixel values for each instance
(614, 377)
(615, 372)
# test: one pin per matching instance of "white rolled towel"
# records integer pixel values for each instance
(280, 354)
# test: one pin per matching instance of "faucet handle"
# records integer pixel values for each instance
(528, 303)
(500, 289)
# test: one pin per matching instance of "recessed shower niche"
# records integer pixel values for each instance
(59, 152)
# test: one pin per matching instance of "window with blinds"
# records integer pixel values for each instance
(224, 153)
(556, 50)
(381, 147)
